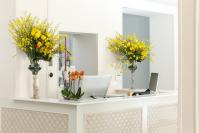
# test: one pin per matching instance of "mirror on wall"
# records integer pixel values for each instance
(140, 26)
(81, 54)
(160, 30)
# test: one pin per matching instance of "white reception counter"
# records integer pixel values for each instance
(139, 114)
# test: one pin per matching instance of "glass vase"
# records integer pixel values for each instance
(34, 67)
(132, 68)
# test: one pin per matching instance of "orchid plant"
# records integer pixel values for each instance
(72, 88)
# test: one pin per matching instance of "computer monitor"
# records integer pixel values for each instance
(96, 86)
(153, 82)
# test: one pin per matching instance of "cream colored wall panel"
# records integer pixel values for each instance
(35, 7)
(24, 121)
(126, 121)
(162, 119)
(0, 120)
(7, 50)
(188, 66)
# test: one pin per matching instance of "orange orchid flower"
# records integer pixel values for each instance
(74, 75)
(81, 74)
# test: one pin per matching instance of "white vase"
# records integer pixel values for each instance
(36, 84)
(34, 67)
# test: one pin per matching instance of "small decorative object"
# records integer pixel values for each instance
(129, 50)
(38, 40)
(72, 89)
(130, 93)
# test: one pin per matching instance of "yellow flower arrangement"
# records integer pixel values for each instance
(38, 39)
(129, 49)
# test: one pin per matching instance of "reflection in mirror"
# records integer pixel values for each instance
(138, 25)
(82, 55)
(160, 30)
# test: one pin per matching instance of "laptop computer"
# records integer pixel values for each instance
(95, 86)
(152, 85)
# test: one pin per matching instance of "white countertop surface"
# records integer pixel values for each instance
(94, 101)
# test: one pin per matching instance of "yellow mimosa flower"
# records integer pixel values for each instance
(130, 53)
(129, 38)
(129, 47)
(135, 38)
(28, 30)
(33, 31)
(47, 44)
(38, 34)
(43, 37)
(23, 40)
(48, 34)
(39, 44)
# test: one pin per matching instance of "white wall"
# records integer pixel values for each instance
(7, 49)
(150, 6)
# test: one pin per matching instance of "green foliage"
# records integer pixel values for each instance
(69, 94)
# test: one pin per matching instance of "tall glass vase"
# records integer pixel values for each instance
(132, 68)
(34, 67)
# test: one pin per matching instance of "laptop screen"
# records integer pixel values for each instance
(96, 85)
(153, 82)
